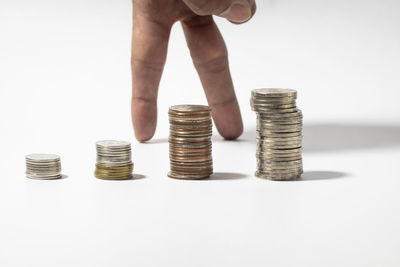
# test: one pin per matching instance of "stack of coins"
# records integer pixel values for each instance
(279, 134)
(113, 160)
(190, 147)
(43, 166)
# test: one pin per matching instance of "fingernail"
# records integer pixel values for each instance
(237, 12)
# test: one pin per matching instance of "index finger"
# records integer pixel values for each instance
(149, 50)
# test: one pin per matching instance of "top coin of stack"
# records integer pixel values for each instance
(279, 134)
(43, 166)
(113, 160)
(190, 145)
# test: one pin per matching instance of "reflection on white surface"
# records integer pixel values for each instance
(327, 137)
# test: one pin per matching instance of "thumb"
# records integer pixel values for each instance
(237, 11)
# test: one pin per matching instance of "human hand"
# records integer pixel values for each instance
(152, 22)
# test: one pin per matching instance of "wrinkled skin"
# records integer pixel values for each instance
(152, 22)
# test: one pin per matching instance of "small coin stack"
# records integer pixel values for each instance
(190, 147)
(113, 160)
(279, 134)
(43, 166)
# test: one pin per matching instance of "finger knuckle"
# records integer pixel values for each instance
(216, 64)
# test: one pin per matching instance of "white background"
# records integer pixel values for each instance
(65, 83)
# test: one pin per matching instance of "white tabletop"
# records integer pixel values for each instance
(65, 84)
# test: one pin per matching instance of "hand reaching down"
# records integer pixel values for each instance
(152, 22)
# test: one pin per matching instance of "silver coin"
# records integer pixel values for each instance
(273, 100)
(281, 171)
(42, 166)
(281, 119)
(283, 151)
(274, 92)
(278, 140)
(269, 139)
(280, 147)
(267, 160)
(277, 147)
(277, 157)
(280, 164)
(190, 108)
(188, 177)
(114, 152)
(55, 167)
(281, 116)
(279, 135)
(288, 171)
(113, 144)
(297, 127)
(266, 133)
(278, 177)
(42, 157)
(274, 112)
(44, 177)
(281, 123)
(115, 164)
(271, 106)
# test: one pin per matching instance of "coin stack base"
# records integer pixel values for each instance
(190, 142)
(188, 177)
(279, 134)
(105, 172)
(113, 160)
(43, 166)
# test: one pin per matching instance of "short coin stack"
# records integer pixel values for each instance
(190, 145)
(113, 160)
(43, 166)
(279, 134)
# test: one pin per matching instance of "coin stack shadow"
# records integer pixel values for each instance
(279, 134)
(190, 147)
(113, 160)
(43, 166)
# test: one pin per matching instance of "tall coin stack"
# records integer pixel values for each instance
(113, 160)
(279, 134)
(43, 166)
(190, 147)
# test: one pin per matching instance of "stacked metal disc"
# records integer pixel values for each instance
(279, 134)
(190, 145)
(43, 166)
(113, 160)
